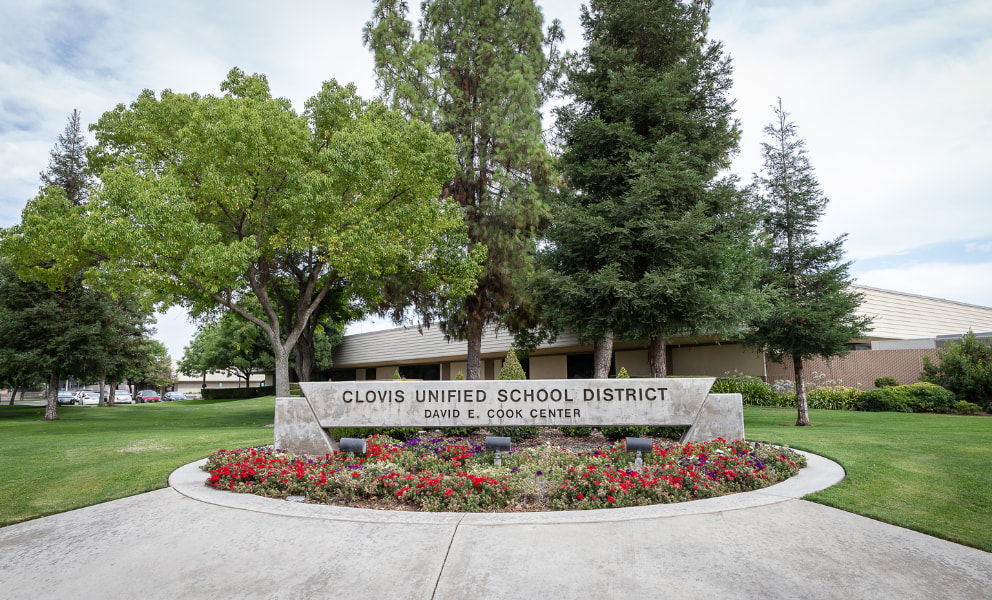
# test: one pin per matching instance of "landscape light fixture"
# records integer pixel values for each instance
(639, 445)
(351, 446)
(497, 445)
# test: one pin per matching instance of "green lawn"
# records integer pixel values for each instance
(925, 472)
(930, 473)
(94, 454)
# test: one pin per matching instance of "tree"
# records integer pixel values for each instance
(814, 310)
(51, 334)
(210, 201)
(649, 241)
(230, 345)
(155, 371)
(67, 165)
(479, 71)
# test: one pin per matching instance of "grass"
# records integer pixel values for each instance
(925, 472)
(95, 454)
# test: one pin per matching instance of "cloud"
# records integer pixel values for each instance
(892, 100)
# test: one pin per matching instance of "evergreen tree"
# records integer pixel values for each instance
(814, 311)
(511, 368)
(49, 333)
(479, 71)
(67, 167)
(650, 242)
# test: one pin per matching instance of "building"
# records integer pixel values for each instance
(898, 317)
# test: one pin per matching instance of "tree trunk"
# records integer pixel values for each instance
(112, 393)
(103, 382)
(305, 355)
(13, 394)
(474, 366)
(801, 406)
(282, 370)
(656, 357)
(51, 408)
(603, 356)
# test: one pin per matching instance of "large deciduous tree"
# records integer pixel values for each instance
(814, 312)
(209, 200)
(649, 241)
(479, 71)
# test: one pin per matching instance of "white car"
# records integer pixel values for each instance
(123, 397)
(88, 398)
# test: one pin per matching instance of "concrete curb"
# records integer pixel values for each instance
(820, 473)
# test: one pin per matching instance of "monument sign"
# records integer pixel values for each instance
(301, 422)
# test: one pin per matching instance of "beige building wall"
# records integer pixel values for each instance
(385, 373)
(635, 361)
(548, 367)
(716, 360)
(457, 367)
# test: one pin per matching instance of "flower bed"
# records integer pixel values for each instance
(458, 475)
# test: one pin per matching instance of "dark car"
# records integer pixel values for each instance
(66, 398)
(148, 396)
(171, 396)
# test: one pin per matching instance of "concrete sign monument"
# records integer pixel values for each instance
(301, 422)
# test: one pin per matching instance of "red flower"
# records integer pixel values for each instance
(581, 496)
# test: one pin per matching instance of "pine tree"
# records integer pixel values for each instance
(814, 311)
(649, 244)
(67, 168)
(479, 71)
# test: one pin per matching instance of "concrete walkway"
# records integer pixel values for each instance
(190, 541)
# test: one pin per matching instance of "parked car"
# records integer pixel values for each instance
(88, 397)
(123, 397)
(171, 396)
(148, 396)
(66, 398)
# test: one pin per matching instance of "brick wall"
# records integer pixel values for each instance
(860, 366)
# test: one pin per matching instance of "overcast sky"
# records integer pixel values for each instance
(893, 98)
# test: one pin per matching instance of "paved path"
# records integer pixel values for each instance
(189, 541)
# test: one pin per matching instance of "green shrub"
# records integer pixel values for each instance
(966, 408)
(240, 393)
(515, 433)
(667, 432)
(886, 399)
(833, 397)
(576, 431)
(460, 431)
(929, 397)
(886, 381)
(511, 369)
(622, 373)
(965, 369)
(615, 434)
(397, 433)
(754, 391)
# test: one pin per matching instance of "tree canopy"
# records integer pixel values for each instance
(480, 72)
(649, 240)
(213, 200)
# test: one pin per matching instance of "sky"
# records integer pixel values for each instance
(892, 97)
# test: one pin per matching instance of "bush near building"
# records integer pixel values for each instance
(965, 368)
